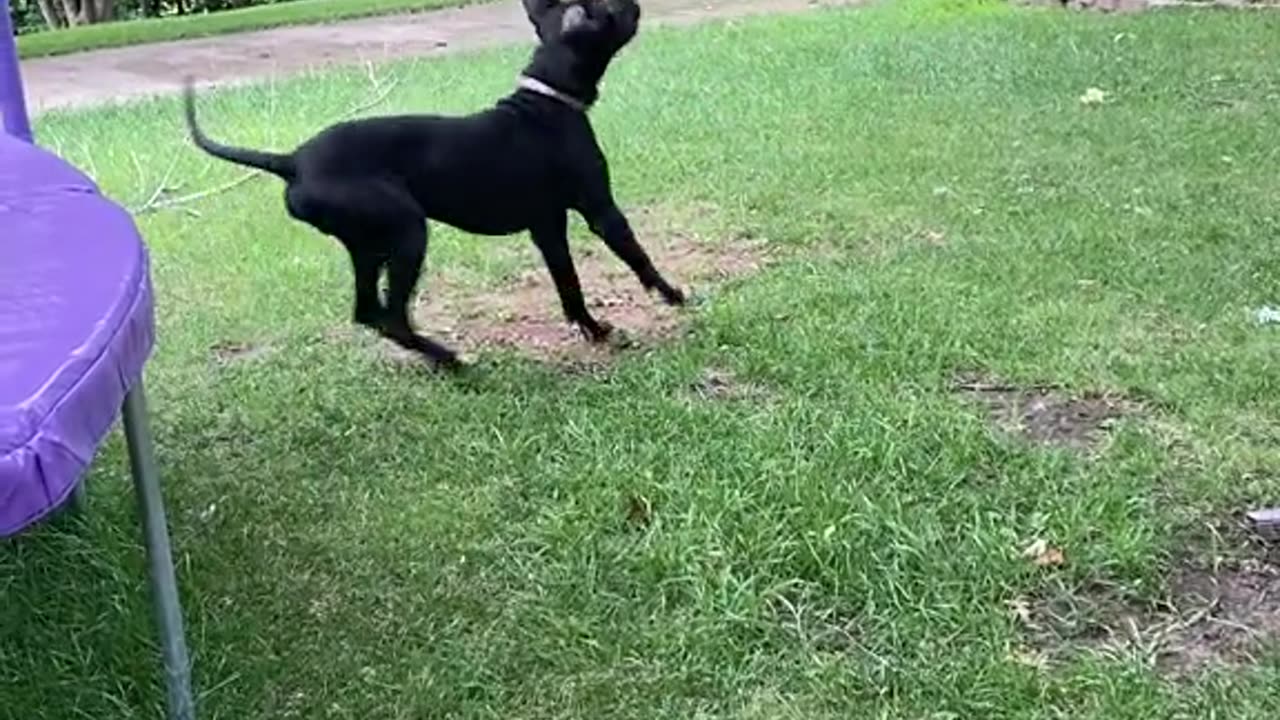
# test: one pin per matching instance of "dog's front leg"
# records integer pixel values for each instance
(610, 225)
(552, 241)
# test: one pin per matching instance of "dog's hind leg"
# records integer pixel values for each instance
(380, 225)
(408, 253)
(368, 307)
(553, 243)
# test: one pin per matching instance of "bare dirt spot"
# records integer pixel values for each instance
(1241, 614)
(1099, 5)
(1216, 614)
(1044, 414)
(522, 313)
(227, 352)
(719, 385)
(1140, 5)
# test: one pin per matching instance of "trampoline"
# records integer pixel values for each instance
(76, 330)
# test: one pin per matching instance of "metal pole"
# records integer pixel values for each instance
(164, 584)
(13, 106)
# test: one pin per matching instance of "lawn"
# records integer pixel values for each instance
(257, 17)
(360, 539)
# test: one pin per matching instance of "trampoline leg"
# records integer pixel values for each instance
(164, 584)
(79, 498)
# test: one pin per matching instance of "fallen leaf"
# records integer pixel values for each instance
(1053, 557)
(1042, 554)
(1266, 315)
(1028, 658)
(1093, 96)
(1035, 548)
(1021, 609)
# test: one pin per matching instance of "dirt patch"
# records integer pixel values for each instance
(719, 385)
(1241, 615)
(227, 352)
(1099, 5)
(522, 314)
(1044, 414)
(1139, 5)
(1216, 614)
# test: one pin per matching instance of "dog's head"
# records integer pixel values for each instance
(592, 26)
(577, 39)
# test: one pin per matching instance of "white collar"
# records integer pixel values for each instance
(536, 85)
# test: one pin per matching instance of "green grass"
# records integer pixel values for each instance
(182, 27)
(357, 539)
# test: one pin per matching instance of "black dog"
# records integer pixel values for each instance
(521, 165)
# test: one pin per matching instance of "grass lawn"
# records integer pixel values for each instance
(258, 17)
(359, 539)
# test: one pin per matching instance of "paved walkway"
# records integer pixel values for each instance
(101, 76)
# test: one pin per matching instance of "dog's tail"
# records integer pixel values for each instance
(278, 164)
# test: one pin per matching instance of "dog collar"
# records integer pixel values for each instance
(536, 85)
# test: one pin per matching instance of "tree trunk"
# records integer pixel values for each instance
(52, 14)
(72, 11)
(87, 12)
(103, 10)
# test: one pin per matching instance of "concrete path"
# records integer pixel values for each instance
(102, 76)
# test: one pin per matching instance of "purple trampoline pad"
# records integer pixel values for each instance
(76, 326)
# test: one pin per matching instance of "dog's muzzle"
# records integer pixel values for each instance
(535, 85)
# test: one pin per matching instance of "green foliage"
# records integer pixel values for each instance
(216, 19)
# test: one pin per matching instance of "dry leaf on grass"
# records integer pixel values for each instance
(1020, 608)
(1093, 96)
(1029, 658)
(1042, 554)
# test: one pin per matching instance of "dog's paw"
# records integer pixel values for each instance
(598, 332)
(695, 299)
(674, 296)
(621, 340)
(445, 361)
(451, 364)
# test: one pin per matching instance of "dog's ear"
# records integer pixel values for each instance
(627, 8)
(626, 17)
(535, 9)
